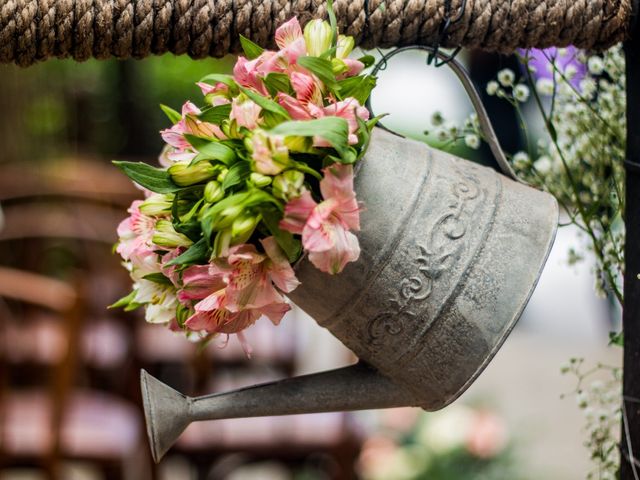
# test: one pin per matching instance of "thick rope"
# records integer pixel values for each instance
(33, 30)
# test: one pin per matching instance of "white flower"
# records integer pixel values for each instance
(453, 129)
(544, 86)
(521, 93)
(492, 88)
(506, 77)
(472, 141)
(437, 119)
(570, 71)
(448, 430)
(595, 65)
(442, 135)
(543, 164)
(521, 159)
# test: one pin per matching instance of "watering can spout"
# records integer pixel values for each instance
(356, 387)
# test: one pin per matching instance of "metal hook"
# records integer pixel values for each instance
(474, 96)
(444, 30)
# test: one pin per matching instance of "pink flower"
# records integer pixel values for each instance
(354, 67)
(290, 40)
(269, 153)
(135, 233)
(325, 226)
(246, 113)
(190, 124)
(307, 88)
(236, 291)
(295, 107)
(246, 73)
(349, 109)
(217, 94)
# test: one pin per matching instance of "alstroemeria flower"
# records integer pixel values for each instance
(215, 95)
(325, 226)
(290, 40)
(269, 153)
(174, 136)
(236, 291)
(135, 232)
(349, 109)
(245, 112)
(247, 74)
(159, 299)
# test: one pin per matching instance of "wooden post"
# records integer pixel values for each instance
(630, 444)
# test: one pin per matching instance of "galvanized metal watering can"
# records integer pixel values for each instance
(451, 252)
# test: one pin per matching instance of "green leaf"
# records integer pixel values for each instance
(196, 253)
(266, 103)
(367, 60)
(616, 338)
(322, 68)
(333, 22)
(357, 87)
(251, 50)
(124, 301)
(173, 116)
(237, 174)
(214, 78)
(158, 277)
(151, 178)
(216, 115)
(334, 130)
(291, 246)
(211, 149)
(277, 82)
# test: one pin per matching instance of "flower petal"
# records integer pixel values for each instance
(288, 32)
(346, 249)
(296, 213)
(280, 270)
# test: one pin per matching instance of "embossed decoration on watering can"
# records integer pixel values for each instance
(450, 254)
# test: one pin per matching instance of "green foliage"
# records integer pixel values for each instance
(151, 178)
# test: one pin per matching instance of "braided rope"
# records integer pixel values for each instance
(33, 30)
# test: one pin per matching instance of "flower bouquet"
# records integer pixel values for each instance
(249, 182)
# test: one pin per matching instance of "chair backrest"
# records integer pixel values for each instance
(66, 301)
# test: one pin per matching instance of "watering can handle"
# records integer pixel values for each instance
(474, 96)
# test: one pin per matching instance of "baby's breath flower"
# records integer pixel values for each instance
(506, 77)
(521, 160)
(521, 93)
(543, 165)
(544, 86)
(437, 119)
(442, 135)
(472, 141)
(492, 88)
(570, 71)
(595, 65)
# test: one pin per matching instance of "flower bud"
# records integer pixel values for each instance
(227, 216)
(157, 204)
(243, 227)
(317, 37)
(345, 46)
(184, 174)
(221, 243)
(222, 174)
(259, 180)
(166, 236)
(288, 185)
(338, 66)
(213, 192)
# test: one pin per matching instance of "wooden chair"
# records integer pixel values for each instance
(41, 426)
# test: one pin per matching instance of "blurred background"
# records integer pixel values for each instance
(69, 367)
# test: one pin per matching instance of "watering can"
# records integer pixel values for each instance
(450, 254)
